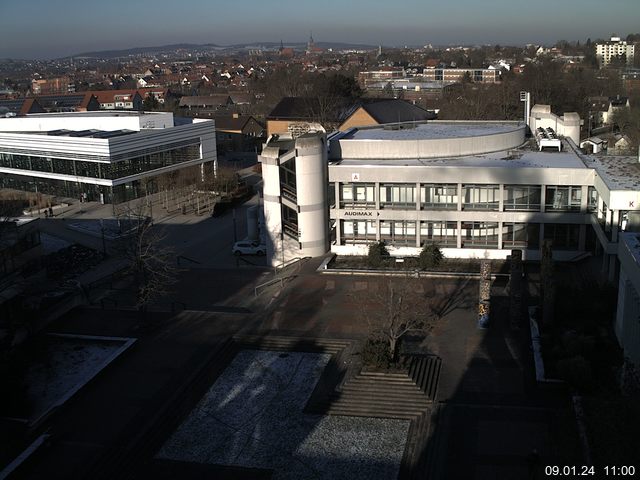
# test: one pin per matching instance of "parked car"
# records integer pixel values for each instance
(249, 247)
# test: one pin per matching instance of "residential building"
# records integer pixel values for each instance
(296, 114)
(119, 99)
(454, 75)
(375, 111)
(48, 86)
(20, 106)
(237, 133)
(614, 48)
(108, 156)
(70, 102)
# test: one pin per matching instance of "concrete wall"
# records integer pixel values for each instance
(311, 183)
(85, 121)
(428, 148)
(565, 126)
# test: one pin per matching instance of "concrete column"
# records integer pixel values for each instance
(311, 182)
(541, 239)
(459, 197)
(338, 232)
(582, 238)
(600, 207)
(607, 221)
(417, 197)
(615, 220)
(501, 203)
(543, 198)
(377, 229)
(337, 194)
(500, 231)
(376, 193)
(584, 202)
(459, 233)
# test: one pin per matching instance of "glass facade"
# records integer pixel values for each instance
(443, 196)
(479, 234)
(481, 197)
(357, 195)
(288, 179)
(444, 234)
(398, 232)
(563, 199)
(522, 198)
(290, 222)
(358, 231)
(104, 170)
(562, 236)
(521, 235)
(398, 196)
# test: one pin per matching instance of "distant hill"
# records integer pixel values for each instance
(212, 46)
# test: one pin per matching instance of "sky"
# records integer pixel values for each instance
(57, 28)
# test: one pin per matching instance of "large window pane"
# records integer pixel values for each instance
(480, 234)
(522, 198)
(442, 196)
(481, 197)
(398, 196)
(440, 233)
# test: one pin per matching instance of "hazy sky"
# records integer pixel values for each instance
(55, 28)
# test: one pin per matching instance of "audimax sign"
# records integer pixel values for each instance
(356, 213)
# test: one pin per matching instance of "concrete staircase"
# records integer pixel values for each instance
(289, 344)
(403, 395)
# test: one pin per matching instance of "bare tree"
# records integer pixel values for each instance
(397, 307)
(152, 263)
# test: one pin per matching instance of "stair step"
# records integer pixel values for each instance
(347, 412)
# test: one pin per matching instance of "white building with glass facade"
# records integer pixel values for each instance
(109, 156)
(477, 189)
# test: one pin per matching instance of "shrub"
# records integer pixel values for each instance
(375, 353)
(377, 253)
(431, 256)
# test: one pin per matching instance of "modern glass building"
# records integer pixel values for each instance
(107, 156)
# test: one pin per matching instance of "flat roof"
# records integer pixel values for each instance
(522, 158)
(431, 130)
(94, 113)
(617, 172)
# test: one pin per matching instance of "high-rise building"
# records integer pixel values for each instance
(607, 51)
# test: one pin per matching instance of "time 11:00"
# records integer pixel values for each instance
(584, 470)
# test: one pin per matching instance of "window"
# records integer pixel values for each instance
(290, 222)
(563, 199)
(288, 179)
(592, 200)
(562, 236)
(358, 231)
(480, 234)
(399, 196)
(440, 233)
(357, 195)
(443, 196)
(522, 198)
(480, 197)
(523, 235)
(398, 232)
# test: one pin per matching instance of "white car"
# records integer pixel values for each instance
(249, 247)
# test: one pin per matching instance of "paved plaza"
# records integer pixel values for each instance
(488, 417)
